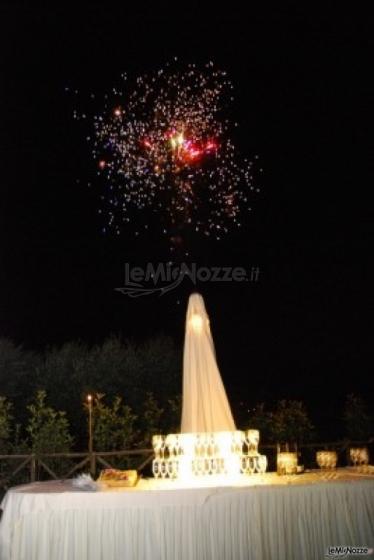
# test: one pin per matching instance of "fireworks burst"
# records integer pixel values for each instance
(163, 146)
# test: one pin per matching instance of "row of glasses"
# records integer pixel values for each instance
(173, 444)
(202, 445)
(165, 468)
(208, 466)
(206, 445)
(250, 465)
(170, 443)
(208, 453)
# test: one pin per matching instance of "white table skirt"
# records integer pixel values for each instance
(260, 521)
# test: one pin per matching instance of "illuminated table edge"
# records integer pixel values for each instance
(311, 477)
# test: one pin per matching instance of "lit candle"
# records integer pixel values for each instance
(359, 455)
(326, 459)
(90, 435)
(287, 463)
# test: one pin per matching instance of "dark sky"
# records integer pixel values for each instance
(303, 100)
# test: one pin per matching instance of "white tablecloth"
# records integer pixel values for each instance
(277, 518)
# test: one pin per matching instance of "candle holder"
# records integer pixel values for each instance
(286, 463)
(359, 456)
(327, 459)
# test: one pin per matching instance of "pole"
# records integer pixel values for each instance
(90, 436)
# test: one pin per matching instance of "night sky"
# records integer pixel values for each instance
(302, 100)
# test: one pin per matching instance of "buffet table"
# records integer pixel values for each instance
(263, 517)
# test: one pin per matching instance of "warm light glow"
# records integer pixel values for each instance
(191, 456)
(287, 463)
(196, 322)
(252, 439)
(326, 459)
(89, 398)
(359, 455)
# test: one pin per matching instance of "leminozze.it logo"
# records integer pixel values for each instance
(342, 551)
(163, 277)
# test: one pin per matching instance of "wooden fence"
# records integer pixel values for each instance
(36, 465)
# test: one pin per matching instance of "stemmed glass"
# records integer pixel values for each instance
(177, 445)
(157, 445)
(198, 445)
(199, 466)
(163, 447)
(252, 438)
(251, 465)
(170, 444)
(164, 469)
(243, 465)
(172, 468)
(156, 468)
(262, 464)
(206, 445)
(212, 446)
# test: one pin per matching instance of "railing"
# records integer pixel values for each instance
(37, 467)
(36, 464)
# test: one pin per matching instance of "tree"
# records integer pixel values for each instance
(63, 374)
(113, 425)
(17, 374)
(5, 425)
(357, 420)
(172, 420)
(150, 423)
(48, 429)
(162, 367)
(260, 419)
(115, 367)
(290, 423)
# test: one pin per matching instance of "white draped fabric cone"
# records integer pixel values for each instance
(205, 404)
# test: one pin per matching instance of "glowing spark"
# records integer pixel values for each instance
(170, 153)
